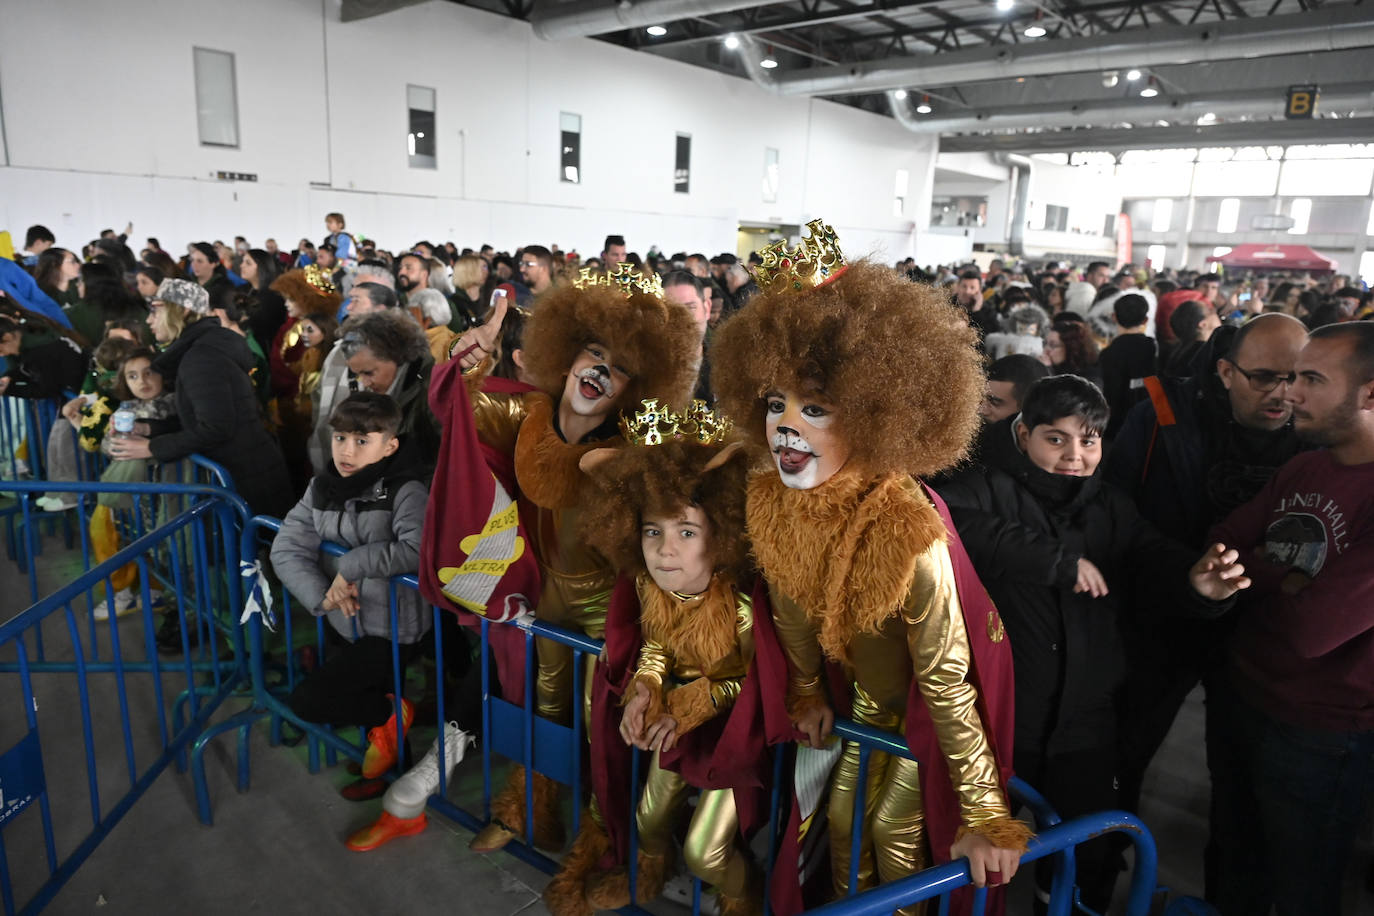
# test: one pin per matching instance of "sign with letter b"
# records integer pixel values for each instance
(1302, 102)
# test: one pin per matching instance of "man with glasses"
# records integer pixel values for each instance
(536, 268)
(1189, 455)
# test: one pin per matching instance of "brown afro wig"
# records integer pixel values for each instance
(654, 341)
(665, 478)
(308, 297)
(896, 359)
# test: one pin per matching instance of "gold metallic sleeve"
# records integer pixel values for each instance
(805, 685)
(941, 657)
(654, 662)
(497, 416)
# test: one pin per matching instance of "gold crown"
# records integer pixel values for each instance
(655, 425)
(319, 278)
(816, 260)
(625, 277)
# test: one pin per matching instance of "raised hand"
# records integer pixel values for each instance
(474, 345)
(1219, 574)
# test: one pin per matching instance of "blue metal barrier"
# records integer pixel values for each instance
(517, 734)
(162, 704)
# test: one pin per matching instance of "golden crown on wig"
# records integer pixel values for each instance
(657, 425)
(319, 278)
(624, 277)
(817, 259)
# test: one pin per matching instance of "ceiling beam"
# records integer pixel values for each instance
(582, 18)
(1240, 133)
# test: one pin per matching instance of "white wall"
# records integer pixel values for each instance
(83, 158)
(1090, 192)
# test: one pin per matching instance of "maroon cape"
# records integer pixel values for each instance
(729, 752)
(990, 674)
(466, 481)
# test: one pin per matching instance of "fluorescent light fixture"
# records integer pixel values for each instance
(900, 95)
(768, 63)
(657, 31)
(923, 108)
(731, 42)
(1004, 5)
(1133, 75)
(1149, 92)
(1035, 31)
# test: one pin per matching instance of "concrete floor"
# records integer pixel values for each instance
(279, 847)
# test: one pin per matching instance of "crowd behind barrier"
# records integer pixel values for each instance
(191, 555)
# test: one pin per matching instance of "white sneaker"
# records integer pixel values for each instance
(126, 603)
(55, 503)
(407, 796)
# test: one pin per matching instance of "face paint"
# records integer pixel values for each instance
(594, 384)
(806, 449)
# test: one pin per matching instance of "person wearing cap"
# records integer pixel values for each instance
(216, 408)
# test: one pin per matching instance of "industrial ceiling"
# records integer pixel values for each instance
(1018, 75)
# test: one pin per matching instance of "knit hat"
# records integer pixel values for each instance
(190, 296)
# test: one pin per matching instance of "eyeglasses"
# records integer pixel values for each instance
(1266, 380)
(529, 263)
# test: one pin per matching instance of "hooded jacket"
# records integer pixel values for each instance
(217, 415)
(1025, 530)
(378, 514)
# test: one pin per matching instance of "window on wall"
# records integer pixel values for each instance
(1301, 212)
(570, 143)
(770, 175)
(420, 142)
(217, 102)
(1154, 255)
(682, 164)
(1056, 218)
(1163, 215)
(1228, 214)
(901, 186)
(1109, 226)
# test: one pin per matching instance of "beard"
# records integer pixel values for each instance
(406, 284)
(1334, 427)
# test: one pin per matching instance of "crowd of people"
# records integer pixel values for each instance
(1075, 493)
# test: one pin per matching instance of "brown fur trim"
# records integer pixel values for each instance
(691, 704)
(655, 342)
(545, 465)
(1002, 832)
(895, 358)
(611, 890)
(565, 894)
(700, 631)
(665, 478)
(739, 906)
(292, 285)
(508, 807)
(870, 533)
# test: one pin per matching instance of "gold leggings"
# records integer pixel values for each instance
(893, 828)
(577, 603)
(710, 848)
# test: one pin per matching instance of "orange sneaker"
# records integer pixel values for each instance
(382, 744)
(384, 830)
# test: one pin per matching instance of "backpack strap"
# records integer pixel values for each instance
(1164, 416)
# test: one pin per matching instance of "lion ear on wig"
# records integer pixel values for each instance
(722, 457)
(595, 459)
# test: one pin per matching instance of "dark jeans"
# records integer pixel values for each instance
(352, 686)
(1077, 783)
(1287, 803)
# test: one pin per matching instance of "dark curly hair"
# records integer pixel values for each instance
(653, 341)
(390, 334)
(896, 359)
(1080, 350)
(666, 478)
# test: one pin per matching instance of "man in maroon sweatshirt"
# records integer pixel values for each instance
(1295, 727)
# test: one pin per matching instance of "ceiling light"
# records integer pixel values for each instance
(1034, 31)
(923, 108)
(1149, 92)
(768, 63)
(731, 42)
(1209, 118)
(900, 94)
(1004, 5)
(657, 31)
(1133, 75)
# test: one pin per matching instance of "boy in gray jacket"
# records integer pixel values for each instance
(370, 499)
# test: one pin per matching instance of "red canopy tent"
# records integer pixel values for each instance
(1275, 257)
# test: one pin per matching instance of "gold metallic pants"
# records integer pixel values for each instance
(893, 826)
(710, 848)
(578, 603)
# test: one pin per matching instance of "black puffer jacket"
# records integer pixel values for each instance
(1025, 530)
(217, 415)
(48, 367)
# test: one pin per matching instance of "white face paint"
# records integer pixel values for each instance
(806, 450)
(594, 383)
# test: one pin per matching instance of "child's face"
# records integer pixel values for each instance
(144, 382)
(1062, 446)
(676, 547)
(332, 225)
(311, 334)
(353, 451)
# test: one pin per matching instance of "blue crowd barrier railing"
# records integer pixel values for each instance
(108, 699)
(517, 734)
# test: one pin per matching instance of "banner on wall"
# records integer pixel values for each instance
(1123, 239)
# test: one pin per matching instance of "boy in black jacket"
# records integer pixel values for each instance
(1064, 557)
